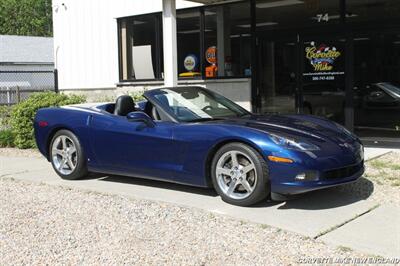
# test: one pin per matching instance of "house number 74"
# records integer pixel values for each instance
(323, 17)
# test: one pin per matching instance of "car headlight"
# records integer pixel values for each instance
(293, 144)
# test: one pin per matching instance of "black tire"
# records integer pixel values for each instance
(261, 185)
(80, 159)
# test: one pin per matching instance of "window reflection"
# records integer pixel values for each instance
(377, 77)
(188, 42)
(140, 52)
(227, 41)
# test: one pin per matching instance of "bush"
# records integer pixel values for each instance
(5, 115)
(103, 99)
(6, 138)
(137, 96)
(23, 114)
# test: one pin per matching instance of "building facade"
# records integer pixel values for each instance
(339, 59)
(26, 66)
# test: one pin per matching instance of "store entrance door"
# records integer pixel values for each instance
(322, 82)
(302, 74)
(278, 68)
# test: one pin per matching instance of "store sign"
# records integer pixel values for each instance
(211, 55)
(190, 62)
(322, 58)
(323, 62)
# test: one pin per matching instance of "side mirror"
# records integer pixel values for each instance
(140, 117)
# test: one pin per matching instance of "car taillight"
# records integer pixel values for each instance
(43, 124)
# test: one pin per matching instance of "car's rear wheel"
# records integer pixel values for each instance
(240, 174)
(66, 155)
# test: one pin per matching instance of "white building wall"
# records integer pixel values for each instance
(86, 39)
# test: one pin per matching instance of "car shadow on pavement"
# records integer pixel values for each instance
(316, 200)
(332, 197)
(154, 183)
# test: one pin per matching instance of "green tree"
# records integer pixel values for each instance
(26, 17)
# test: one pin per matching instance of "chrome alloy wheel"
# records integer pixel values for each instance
(64, 155)
(236, 175)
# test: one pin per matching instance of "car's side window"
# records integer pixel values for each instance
(151, 111)
(155, 114)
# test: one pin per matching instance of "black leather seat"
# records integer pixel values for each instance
(124, 105)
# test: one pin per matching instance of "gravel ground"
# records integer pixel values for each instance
(43, 224)
(20, 153)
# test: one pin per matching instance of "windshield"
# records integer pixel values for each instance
(191, 104)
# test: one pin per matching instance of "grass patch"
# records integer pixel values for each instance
(395, 167)
(263, 226)
(344, 249)
(379, 164)
(384, 170)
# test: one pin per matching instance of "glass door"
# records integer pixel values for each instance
(322, 80)
(278, 68)
(279, 75)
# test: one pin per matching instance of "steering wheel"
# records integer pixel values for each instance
(206, 108)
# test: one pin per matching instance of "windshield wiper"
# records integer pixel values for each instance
(203, 119)
(243, 115)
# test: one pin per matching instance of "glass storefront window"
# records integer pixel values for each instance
(188, 42)
(273, 14)
(227, 44)
(376, 89)
(140, 50)
(333, 58)
(361, 11)
(227, 40)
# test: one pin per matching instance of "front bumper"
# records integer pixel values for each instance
(283, 181)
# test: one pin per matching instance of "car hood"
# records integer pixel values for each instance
(303, 126)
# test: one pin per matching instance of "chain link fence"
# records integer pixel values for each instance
(16, 86)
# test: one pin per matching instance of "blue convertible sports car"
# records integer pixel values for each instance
(193, 136)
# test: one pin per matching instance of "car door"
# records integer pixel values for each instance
(132, 148)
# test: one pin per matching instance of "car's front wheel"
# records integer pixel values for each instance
(240, 174)
(66, 155)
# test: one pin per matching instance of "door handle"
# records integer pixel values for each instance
(89, 120)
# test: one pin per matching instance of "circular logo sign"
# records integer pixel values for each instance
(190, 62)
(211, 55)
